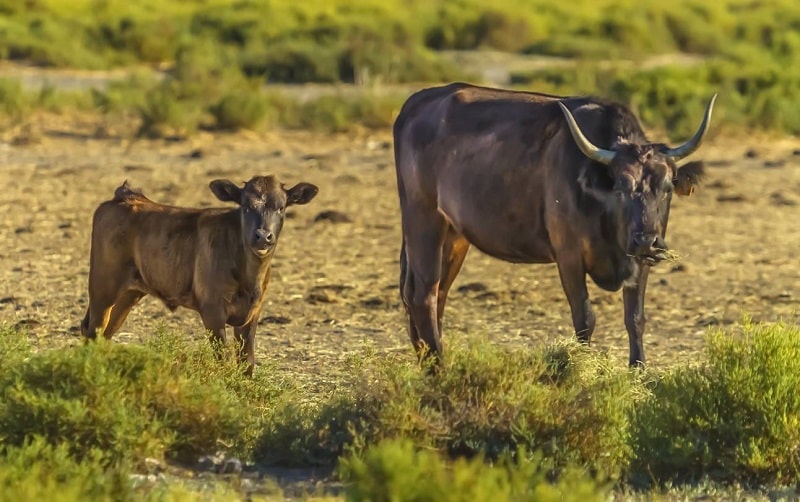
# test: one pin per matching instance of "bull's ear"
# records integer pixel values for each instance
(301, 193)
(226, 191)
(688, 177)
(595, 182)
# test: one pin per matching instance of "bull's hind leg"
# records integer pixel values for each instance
(407, 292)
(424, 233)
(454, 251)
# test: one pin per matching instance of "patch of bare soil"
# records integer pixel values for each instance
(335, 281)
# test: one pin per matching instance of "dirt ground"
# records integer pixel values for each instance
(334, 287)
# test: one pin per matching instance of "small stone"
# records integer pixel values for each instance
(333, 216)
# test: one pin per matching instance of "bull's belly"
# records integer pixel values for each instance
(512, 248)
(506, 238)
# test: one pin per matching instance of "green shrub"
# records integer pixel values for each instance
(127, 401)
(14, 101)
(239, 109)
(397, 471)
(562, 401)
(735, 417)
(39, 470)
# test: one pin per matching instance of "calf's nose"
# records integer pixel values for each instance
(265, 236)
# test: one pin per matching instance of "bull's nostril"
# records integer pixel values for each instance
(645, 240)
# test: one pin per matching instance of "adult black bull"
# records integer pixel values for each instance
(532, 178)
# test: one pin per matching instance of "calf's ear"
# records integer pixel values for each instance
(301, 193)
(688, 177)
(226, 191)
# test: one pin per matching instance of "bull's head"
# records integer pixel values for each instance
(262, 206)
(641, 181)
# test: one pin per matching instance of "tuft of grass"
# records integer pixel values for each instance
(734, 417)
(397, 470)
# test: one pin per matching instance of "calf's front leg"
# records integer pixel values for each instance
(245, 337)
(214, 320)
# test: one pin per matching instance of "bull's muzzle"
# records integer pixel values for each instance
(648, 247)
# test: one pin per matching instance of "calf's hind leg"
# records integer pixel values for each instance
(120, 311)
(102, 296)
(108, 318)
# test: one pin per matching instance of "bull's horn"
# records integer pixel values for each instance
(597, 154)
(693, 144)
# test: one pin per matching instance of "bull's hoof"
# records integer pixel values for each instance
(637, 364)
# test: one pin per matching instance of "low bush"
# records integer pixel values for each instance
(126, 401)
(734, 417)
(563, 401)
(397, 470)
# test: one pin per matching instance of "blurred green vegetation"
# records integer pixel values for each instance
(219, 52)
(336, 40)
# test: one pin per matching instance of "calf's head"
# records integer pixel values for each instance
(262, 208)
(637, 184)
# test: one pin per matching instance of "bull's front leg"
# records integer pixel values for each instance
(635, 320)
(245, 337)
(573, 280)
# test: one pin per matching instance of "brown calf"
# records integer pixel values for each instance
(215, 261)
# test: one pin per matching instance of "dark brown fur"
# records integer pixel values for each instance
(202, 259)
(500, 170)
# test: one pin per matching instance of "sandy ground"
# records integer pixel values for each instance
(334, 287)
